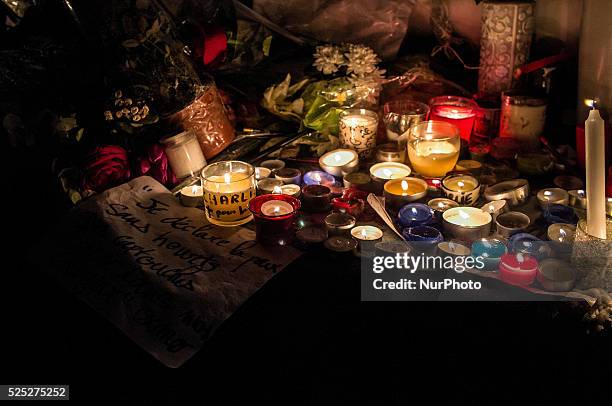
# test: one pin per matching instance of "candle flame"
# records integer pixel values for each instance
(451, 246)
(317, 177)
(436, 182)
(277, 190)
(581, 193)
(414, 211)
(364, 233)
(592, 103)
(227, 177)
(276, 210)
(404, 186)
(609, 199)
(461, 184)
(463, 214)
(520, 258)
(562, 232)
(491, 208)
(195, 189)
(337, 157)
(440, 205)
(387, 172)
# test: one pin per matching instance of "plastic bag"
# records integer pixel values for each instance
(379, 24)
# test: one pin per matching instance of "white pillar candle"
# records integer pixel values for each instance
(184, 154)
(595, 174)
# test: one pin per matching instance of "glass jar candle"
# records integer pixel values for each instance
(400, 115)
(275, 217)
(358, 131)
(184, 154)
(390, 153)
(228, 188)
(523, 117)
(433, 148)
(458, 111)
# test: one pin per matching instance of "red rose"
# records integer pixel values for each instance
(106, 166)
(154, 163)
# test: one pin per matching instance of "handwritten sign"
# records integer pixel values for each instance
(159, 271)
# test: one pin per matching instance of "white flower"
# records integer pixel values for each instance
(328, 59)
(361, 60)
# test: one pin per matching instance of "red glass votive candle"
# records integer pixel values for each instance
(316, 198)
(455, 110)
(275, 217)
(518, 269)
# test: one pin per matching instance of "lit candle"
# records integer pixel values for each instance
(192, 196)
(423, 238)
(184, 154)
(399, 192)
(367, 237)
(339, 223)
(452, 249)
(561, 238)
(228, 188)
(514, 191)
(467, 223)
(518, 269)
(291, 190)
(339, 162)
(577, 199)
(458, 111)
(318, 178)
(558, 213)
(414, 214)
(495, 208)
(595, 173)
(433, 148)
(440, 205)
(529, 245)
(289, 175)
(275, 218)
(511, 223)
(490, 250)
(552, 195)
(262, 173)
(464, 189)
(358, 131)
(268, 185)
(385, 171)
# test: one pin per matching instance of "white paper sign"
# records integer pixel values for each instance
(158, 270)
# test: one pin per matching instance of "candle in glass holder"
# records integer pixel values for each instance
(464, 189)
(400, 115)
(467, 223)
(192, 196)
(318, 178)
(367, 237)
(385, 171)
(228, 188)
(390, 153)
(275, 216)
(358, 131)
(316, 198)
(433, 148)
(458, 111)
(184, 154)
(561, 238)
(399, 192)
(523, 117)
(339, 162)
(552, 195)
(518, 269)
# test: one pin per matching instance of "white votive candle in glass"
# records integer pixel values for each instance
(184, 154)
(358, 131)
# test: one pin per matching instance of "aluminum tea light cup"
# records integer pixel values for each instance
(511, 222)
(552, 196)
(515, 191)
(462, 188)
(555, 275)
(399, 192)
(495, 208)
(367, 237)
(467, 223)
(338, 223)
(578, 199)
(339, 162)
(289, 176)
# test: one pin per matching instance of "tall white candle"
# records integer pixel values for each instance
(595, 174)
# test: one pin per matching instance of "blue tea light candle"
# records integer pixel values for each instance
(558, 213)
(414, 214)
(530, 245)
(423, 238)
(490, 250)
(318, 178)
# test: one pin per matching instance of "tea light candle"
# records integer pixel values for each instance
(228, 187)
(577, 199)
(339, 162)
(275, 216)
(273, 164)
(555, 275)
(464, 189)
(385, 171)
(367, 237)
(467, 223)
(552, 195)
(262, 173)
(316, 198)
(289, 176)
(357, 180)
(423, 238)
(558, 213)
(529, 245)
(518, 269)
(184, 154)
(440, 205)
(392, 248)
(495, 208)
(358, 131)
(511, 223)
(291, 190)
(490, 250)
(434, 186)
(399, 192)
(339, 223)
(561, 238)
(390, 153)
(514, 191)
(192, 196)
(318, 178)
(452, 249)
(341, 244)
(414, 214)
(474, 167)
(267, 185)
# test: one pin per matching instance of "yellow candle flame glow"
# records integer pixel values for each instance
(387, 172)
(364, 233)
(404, 186)
(414, 211)
(195, 189)
(276, 210)
(317, 177)
(451, 246)
(463, 214)
(337, 157)
(461, 184)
